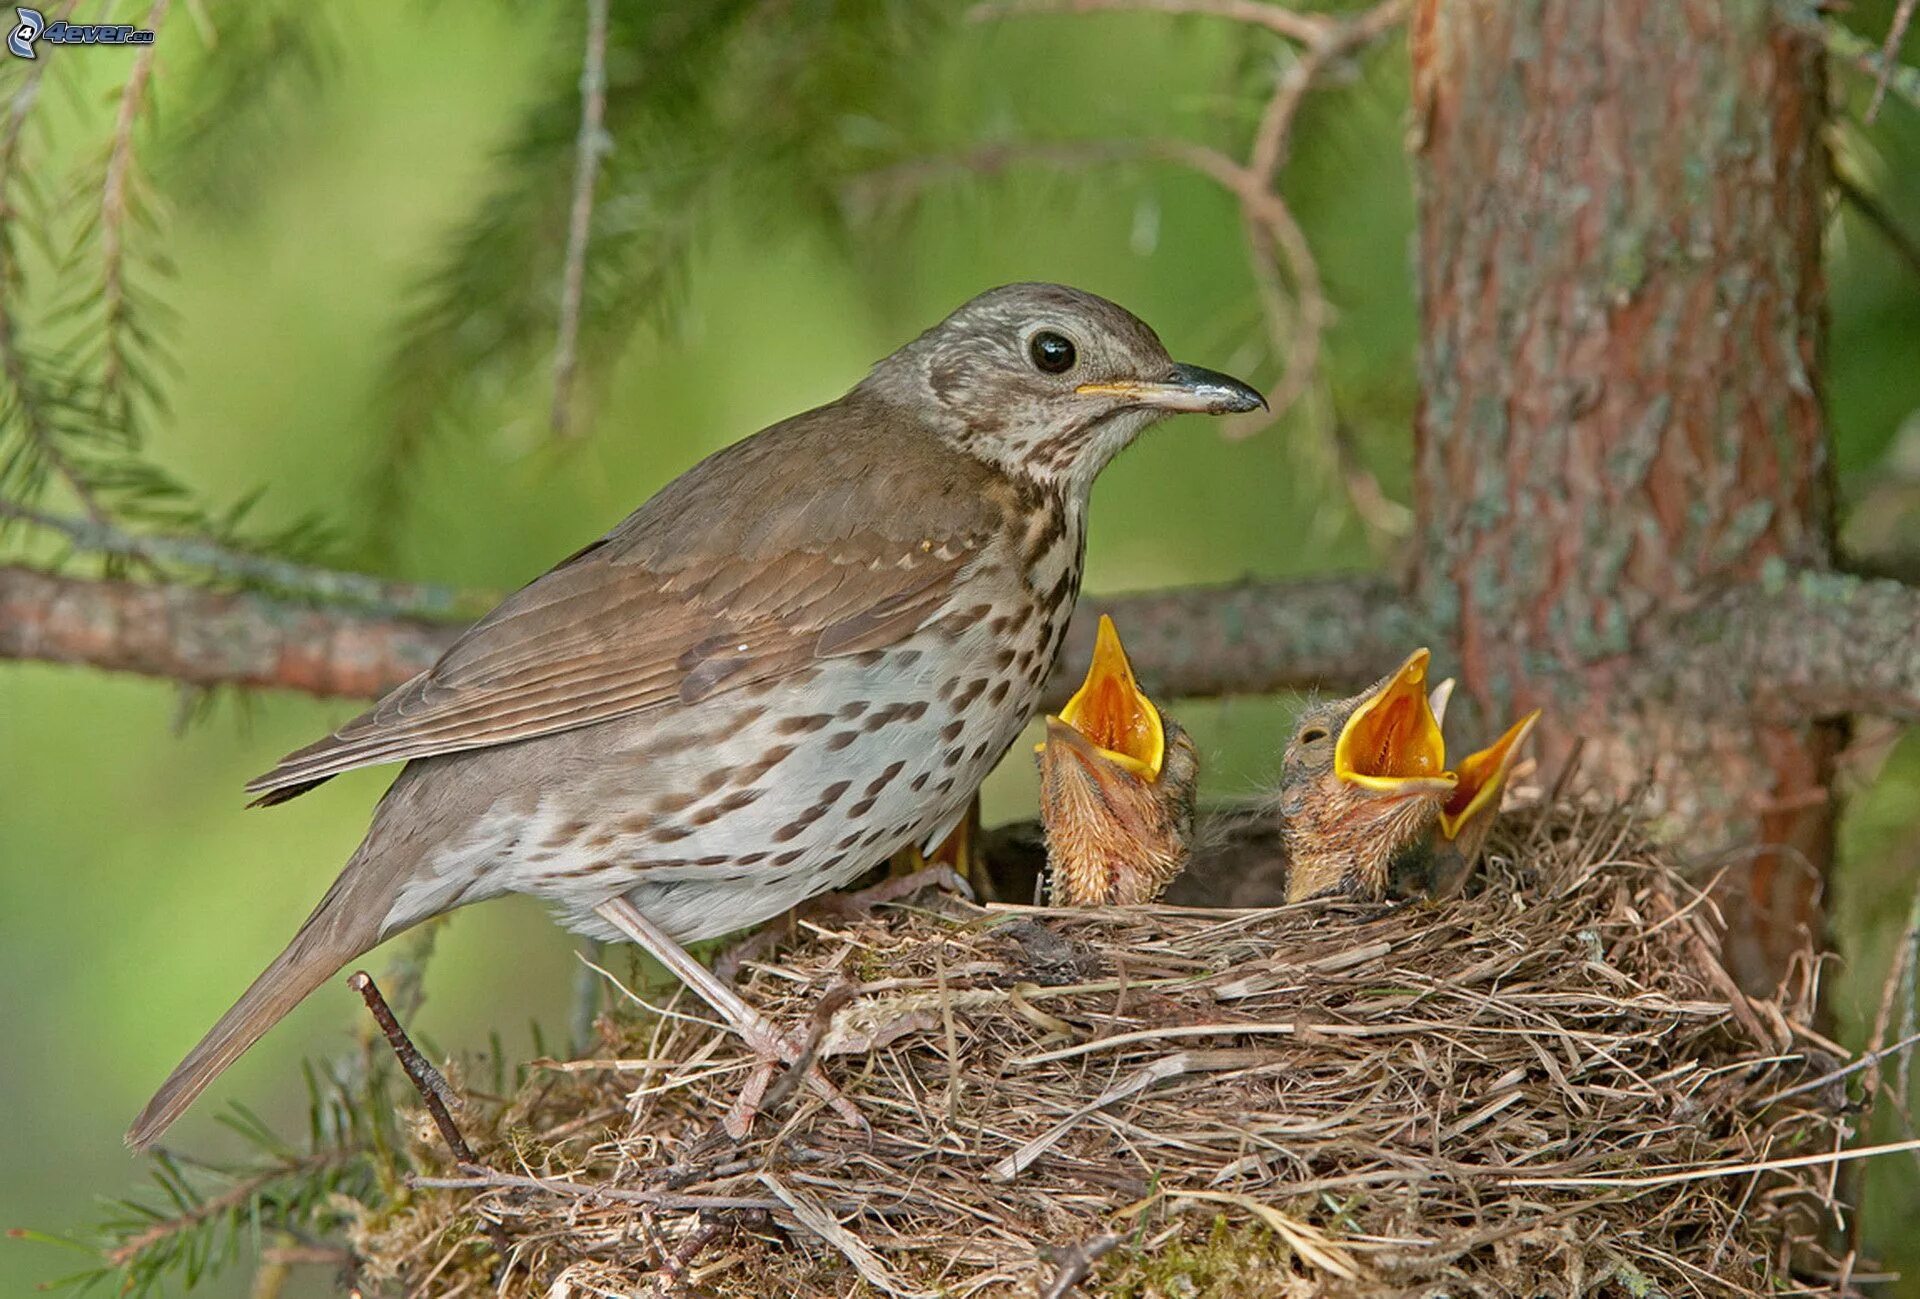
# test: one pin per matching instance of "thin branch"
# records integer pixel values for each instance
(1249, 639)
(1906, 245)
(206, 638)
(1790, 646)
(328, 586)
(591, 145)
(1890, 54)
(434, 1093)
(1275, 18)
(234, 1197)
(114, 207)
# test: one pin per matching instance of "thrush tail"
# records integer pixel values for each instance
(340, 928)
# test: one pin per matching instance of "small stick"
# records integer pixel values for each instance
(434, 1092)
(1074, 1263)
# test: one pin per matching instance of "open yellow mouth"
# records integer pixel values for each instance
(1392, 742)
(1483, 776)
(1109, 710)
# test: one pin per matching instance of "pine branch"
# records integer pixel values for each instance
(198, 1214)
(207, 638)
(592, 143)
(1790, 647)
(116, 209)
(209, 557)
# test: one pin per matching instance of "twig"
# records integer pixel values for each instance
(1890, 54)
(435, 1094)
(592, 143)
(113, 215)
(330, 586)
(1275, 18)
(1905, 245)
(1074, 1263)
(483, 1179)
(1866, 1061)
(432, 1085)
(1705, 1174)
(233, 1197)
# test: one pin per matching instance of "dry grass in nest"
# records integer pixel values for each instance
(1539, 1089)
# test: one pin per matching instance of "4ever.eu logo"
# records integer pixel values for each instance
(33, 26)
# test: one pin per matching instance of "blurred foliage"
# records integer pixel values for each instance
(319, 253)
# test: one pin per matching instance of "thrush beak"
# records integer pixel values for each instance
(1483, 776)
(1190, 388)
(1438, 698)
(1391, 744)
(1109, 714)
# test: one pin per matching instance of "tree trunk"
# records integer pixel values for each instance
(1620, 285)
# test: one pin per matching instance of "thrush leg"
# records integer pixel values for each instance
(959, 851)
(754, 1028)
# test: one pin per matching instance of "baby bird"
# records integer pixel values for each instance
(1117, 786)
(1361, 778)
(1440, 862)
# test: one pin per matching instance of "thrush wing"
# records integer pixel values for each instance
(786, 548)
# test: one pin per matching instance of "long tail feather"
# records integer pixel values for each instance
(340, 928)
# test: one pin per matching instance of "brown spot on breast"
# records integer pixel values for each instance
(801, 725)
(840, 740)
(789, 858)
(731, 803)
(772, 758)
(850, 711)
(861, 808)
(882, 780)
(920, 781)
(951, 731)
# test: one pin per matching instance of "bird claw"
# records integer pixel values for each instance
(938, 875)
(776, 1050)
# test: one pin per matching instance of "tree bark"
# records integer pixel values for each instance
(1620, 285)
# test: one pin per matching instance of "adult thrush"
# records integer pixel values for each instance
(1117, 784)
(1360, 779)
(800, 655)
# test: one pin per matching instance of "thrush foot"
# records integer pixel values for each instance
(756, 1030)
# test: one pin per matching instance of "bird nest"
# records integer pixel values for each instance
(1542, 1088)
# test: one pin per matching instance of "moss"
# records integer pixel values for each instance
(1242, 1262)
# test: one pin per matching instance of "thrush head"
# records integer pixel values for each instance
(1361, 778)
(1117, 785)
(1440, 862)
(1047, 382)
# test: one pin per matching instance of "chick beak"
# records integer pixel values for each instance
(1483, 777)
(1187, 388)
(1391, 746)
(1110, 716)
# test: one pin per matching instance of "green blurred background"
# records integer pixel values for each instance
(137, 897)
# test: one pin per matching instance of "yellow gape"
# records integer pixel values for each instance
(1393, 736)
(1111, 712)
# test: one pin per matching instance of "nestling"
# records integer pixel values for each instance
(1117, 784)
(1361, 778)
(1440, 862)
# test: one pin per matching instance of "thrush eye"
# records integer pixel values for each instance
(1052, 353)
(1313, 735)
